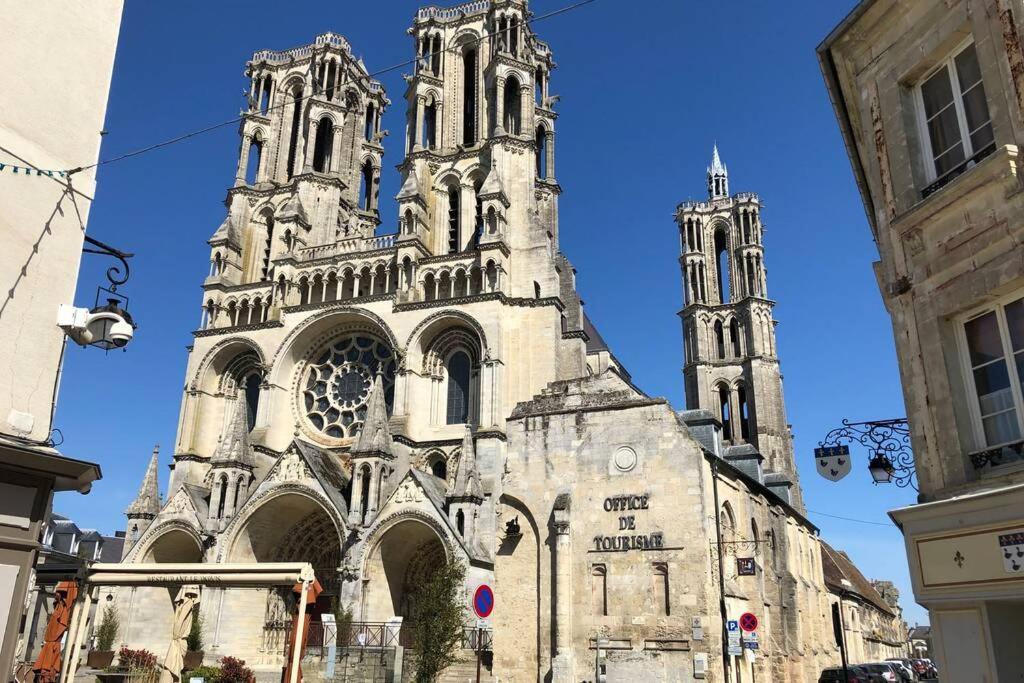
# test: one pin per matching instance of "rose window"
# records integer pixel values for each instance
(338, 380)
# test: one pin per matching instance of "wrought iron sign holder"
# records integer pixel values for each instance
(888, 442)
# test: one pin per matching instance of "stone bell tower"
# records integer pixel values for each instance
(731, 367)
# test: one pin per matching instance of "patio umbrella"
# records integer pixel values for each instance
(47, 666)
(311, 595)
(184, 607)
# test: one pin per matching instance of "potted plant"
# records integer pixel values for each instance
(234, 670)
(194, 644)
(139, 665)
(102, 656)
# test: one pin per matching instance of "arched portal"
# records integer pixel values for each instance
(289, 527)
(398, 566)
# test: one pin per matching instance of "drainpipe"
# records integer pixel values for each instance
(721, 570)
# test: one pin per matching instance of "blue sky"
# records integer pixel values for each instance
(646, 88)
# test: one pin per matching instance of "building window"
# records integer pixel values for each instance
(599, 590)
(995, 357)
(955, 121)
(458, 388)
(660, 588)
(454, 216)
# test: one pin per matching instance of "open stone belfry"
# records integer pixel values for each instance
(376, 404)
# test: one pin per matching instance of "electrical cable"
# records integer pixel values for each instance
(238, 119)
(851, 519)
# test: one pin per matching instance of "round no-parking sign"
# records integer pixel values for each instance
(483, 601)
(748, 622)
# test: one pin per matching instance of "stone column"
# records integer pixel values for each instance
(499, 106)
(421, 103)
(562, 664)
(307, 164)
(243, 160)
(335, 164)
(371, 507)
(354, 512)
(525, 110)
(551, 154)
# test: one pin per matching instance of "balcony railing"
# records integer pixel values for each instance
(355, 245)
(957, 171)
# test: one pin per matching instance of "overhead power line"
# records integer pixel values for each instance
(186, 136)
(851, 519)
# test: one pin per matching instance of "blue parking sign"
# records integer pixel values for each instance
(732, 625)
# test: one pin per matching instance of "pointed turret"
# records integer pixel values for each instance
(293, 212)
(228, 233)
(147, 503)
(467, 478)
(234, 446)
(492, 185)
(411, 187)
(718, 176)
(375, 436)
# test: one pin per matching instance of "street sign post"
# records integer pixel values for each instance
(833, 462)
(732, 625)
(483, 601)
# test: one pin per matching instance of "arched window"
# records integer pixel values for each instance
(322, 146)
(538, 87)
(251, 386)
(725, 412)
(435, 54)
(238, 491)
(252, 164)
(218, 264)
(366, 202)
(460, 522)
(599, 590)
(660, 589)
(439, 468)
(492, 221)
(541, 144)
(722, 265)
(514, 36)
(268, 244)
(728, 523)
(364, 486)
(410, 223)
(513, 115)
(293, 138)
(223, 496)
(369, 125)
(719, 339)
(458, 370)
(332, 79)
(743, 412)
(134, 535)
(734, 338)
(753, 532)
(469, 97)
(454, 218)
(478, 213)
(536, 289)
(430, 124)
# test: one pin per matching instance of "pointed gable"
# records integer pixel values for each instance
(293, 212)
(493, 187)
(467, 478)
(228, 232)
(147, 501)
(411, 187)
(234, 445)
(375, 435)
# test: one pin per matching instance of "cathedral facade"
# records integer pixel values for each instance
(378, 402)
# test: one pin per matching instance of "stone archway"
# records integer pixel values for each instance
(288, 527)
(147, 612)
(400, 562)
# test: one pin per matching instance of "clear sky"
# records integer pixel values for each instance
(646, 89)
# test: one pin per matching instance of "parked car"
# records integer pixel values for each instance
(882, 672)
(905, 668)
(925, 669)
(855, 674)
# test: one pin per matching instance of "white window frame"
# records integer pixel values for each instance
(977, 427)
(958, 104)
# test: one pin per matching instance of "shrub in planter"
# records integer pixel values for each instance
(136, 660)
(210, 674)
(106, 633)
(235, 671)
(194, 644)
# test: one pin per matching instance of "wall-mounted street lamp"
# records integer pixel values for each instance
(109, 326)
(888, 443)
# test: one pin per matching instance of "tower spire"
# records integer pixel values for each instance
(375, 436)
(718, 176)
(467, 478)
(234, 446)
(147, 501)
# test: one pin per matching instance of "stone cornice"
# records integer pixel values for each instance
(214, 331)
(339, 302)
(475, 298)
(221, 286)
(576, 334)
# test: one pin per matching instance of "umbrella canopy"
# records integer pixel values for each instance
(47, 666)
(312, 594)
(185, 605)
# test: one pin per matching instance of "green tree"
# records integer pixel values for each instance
(194, 640)
(436, 622)
(106, 632)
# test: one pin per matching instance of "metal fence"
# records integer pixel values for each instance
(375, 635)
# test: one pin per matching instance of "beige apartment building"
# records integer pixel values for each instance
(58, 60)
(930, 100)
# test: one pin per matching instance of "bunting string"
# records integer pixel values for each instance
(26, 170)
